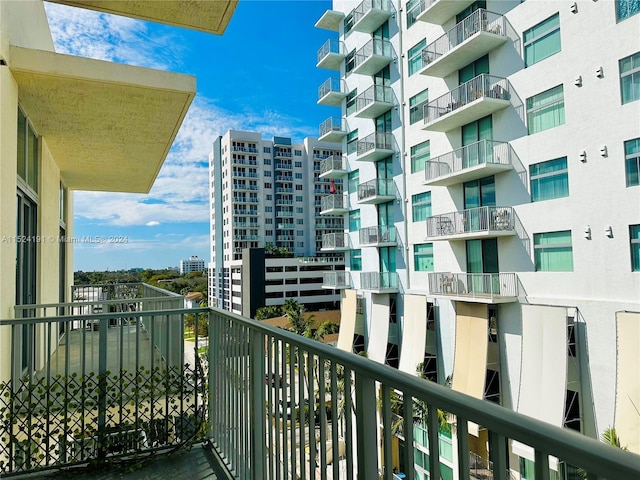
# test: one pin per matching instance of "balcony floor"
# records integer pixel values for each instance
(197, 463)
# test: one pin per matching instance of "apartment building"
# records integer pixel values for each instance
(64, 121)
(492, 235)
(268, 193)
(192, 264)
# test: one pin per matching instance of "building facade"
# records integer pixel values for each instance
(492, 236)
(268, 193)
(192, 264)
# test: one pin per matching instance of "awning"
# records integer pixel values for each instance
(627, 418)
(414, 333)
(379, 329)
(108, 126)
(347, 320)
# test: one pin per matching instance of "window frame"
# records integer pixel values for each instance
(633, 73)
(414, 57)
(355, 260)
(634, 245)
(632, 158)
(531, 110)
(354, 220)
(540, 37)
(539, 262)
(418, 205)
(423, 252)
(419, 158)
(539, 177)
(416, 107)
(629, 14)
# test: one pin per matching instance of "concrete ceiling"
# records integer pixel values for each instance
(108, 126)
(211, 16)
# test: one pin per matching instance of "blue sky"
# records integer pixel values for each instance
(260, 75)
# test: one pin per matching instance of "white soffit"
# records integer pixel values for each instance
(627, 419)
(347, 320)
(414, 333)
(379, 328)
(108, 126)
(211, 16)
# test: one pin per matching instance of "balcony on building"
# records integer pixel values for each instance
(336, 280)
(334, 204)
(374, 147)
(378, 236)
(374, 101)
(480, 222)
(239, 174)
(477, 98)
(476, 35)
(330, 20)
(331, 54)
(284, 178)
(284, 214)
(489, 288)
(378, 190)
(370, 14)
(473, 161)
(281, 154)
(379, 282)
(333, 129)
(376, 54)
(336, 242)
(439, 11)
(332, 92)
(334, 166)
(245, 238)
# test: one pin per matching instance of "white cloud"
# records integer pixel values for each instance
(152, 223)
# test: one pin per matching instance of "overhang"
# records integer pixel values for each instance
(203, 15)
(108, 126)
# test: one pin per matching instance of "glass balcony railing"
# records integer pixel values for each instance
(472, 100)
(453, 50)
(336, 280)
(484, 287)
(334, 166)
(379, 281)
(377, 190)
(116, 378)
(332, 92)
(333, 129)
(374, 101)
(373, 56)
(334, 203)
(331, 54)
(473, 161)
(378, 236)
(374, 147)
(471, 223)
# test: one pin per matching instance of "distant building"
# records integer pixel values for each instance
(193, 264)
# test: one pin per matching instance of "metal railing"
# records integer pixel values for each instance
(330, 46)
(336, 279)
(482, 86)
(332, 124)
(375, 93)
(330, 85)
(416, 9)
(334, 162)
(378, 280)
(244, 149)
(479, 21)
(368, 5)
(471, 220)
(474, 285)
(377, 235)
(478, 153)
(375, 141)
(336, 240)
(379, 47)
(334, 201)
(376, 187)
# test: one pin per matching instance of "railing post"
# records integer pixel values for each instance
(258, 470)
(102, 387)
(366, 427)
(498, 451)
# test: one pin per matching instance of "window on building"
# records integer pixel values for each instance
(298, 164)
(267, 161)
(351, 101)
(352, 142)
(414, 8)
(354, 220)
(299, 210)
(549, 180)
(632, 161)
(267, 149)
(416, 106)
(298, 176)
(542, 40)
(268, 209)
(350, 61)
(423, 257)
(269, 197)
(421, 206)
(627, 8)
(634, 236)
(348, 22)
(553, 251)
(630, 78)
(355, 260)
(267, 185)
(27, 158)
(419, 155)
(298, 187)
(415, 56)
(267, 173)
(354, 180)
(298, 198)
(545, 110)
(297, 153)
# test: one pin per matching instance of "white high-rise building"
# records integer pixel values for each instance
(493, 231)
(192, 264)
(267, 194)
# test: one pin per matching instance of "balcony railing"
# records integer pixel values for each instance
(452, 50)
(331, 54)
(473, 161)
(439, 11)
(472, 100)
(332, 130)
(483, 287)
(381, 282)
(337, 203)
(374, 101)
(244, 149)
(373, 56)
(378, 236)
(269, 402)
(378, 190)
(370, 14)
(333, 167)
(336, 241)
(332, 92)
(375, 147)
(472, 223)
(336, 280)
